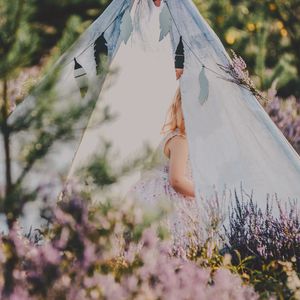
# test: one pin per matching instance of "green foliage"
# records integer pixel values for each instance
(265, 33)
(100, 170)
(28, 34)
(16, 40)
(274, 279)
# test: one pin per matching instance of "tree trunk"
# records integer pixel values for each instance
(6, 139)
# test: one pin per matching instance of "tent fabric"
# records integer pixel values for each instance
(138, 93)
(232, 141)
(65, 95)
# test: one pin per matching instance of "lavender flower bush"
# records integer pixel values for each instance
(237, 69)
(285, 113)
(253, 232)
(109, 251)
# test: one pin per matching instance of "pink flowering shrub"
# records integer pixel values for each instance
(109, 251)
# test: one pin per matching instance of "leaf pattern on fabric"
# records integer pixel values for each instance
(165, 21)
(100, 48)
(204, 86)
(81, 78)
(126, 26)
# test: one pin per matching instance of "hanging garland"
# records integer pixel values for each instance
(101, 52)
(166, 20)
(236, 69)
(126, 28)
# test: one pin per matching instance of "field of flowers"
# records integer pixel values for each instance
(119, 250)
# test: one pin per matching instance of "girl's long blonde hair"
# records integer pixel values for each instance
(174, 117)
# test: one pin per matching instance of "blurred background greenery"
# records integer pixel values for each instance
(266, 33)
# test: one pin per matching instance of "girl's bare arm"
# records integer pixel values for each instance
(178, 153)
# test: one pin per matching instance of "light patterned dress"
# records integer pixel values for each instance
(154, 186)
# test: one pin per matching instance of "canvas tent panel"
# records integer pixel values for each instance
(232, 139)
(139, 102)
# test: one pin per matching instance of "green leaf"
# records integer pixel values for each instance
(247, 259)
(238, 256)
(204, 86)
(165, 20)
(126, 27)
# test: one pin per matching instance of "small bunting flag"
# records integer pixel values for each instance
(179, 55)
(100, 49)
(81, 78)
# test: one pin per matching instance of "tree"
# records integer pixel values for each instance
(24, 41)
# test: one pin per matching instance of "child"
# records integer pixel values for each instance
(169, 177)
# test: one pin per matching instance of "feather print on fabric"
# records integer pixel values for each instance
(81, 78)
(204, 86)
(165, 21)
(126, 27)
(100, 50)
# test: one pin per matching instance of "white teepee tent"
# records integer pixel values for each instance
(232, 141)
